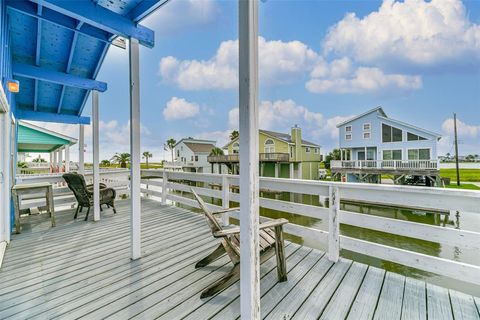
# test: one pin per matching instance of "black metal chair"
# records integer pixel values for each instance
(84, 193)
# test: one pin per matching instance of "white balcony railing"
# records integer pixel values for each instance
(167, 187)
(386, 164)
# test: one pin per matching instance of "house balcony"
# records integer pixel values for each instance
(386, 166)
(264, 157)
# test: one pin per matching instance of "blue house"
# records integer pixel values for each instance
(372, 144)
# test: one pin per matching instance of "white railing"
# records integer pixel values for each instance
(385, 164)
(113, 178)
(455, 201)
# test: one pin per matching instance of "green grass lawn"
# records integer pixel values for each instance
(469, 175)
(467, 186)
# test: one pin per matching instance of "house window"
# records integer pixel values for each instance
(191, 159)
(419, 154)
(315, 150)
(235, 147)
(348, 136)
(196, 158)
(269, 146)
(348, 129)
(307, 149)
(291, 151)
(366, 135)
(414, 137)
(391, 134)
(178, 153)
(392, 154)
(366, 127)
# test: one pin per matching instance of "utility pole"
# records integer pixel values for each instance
(456, 148)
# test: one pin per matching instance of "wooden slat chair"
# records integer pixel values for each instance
(270, 240)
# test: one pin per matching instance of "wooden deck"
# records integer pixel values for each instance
(83, 270)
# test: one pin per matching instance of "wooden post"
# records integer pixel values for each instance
(60, 159)
(164, 187)
(135, 225)
(225, 200)
(249, 183)
(457, 168)
(96, 156)
(333, 224)
(81, 149)
(277, 169)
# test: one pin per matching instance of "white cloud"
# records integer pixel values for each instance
(221, 137)
(463, 129)
(412, 33)
(280, 62)
(279, 114)
(341, 79)
(468, 137)
(177, 16)
(179, 108)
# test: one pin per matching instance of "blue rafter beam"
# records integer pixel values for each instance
(144, 8)
(50, 117)
(102, 18)
(33, 72)
(30, 9)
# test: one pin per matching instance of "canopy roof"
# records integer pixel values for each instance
(32, 138)
(57, 48)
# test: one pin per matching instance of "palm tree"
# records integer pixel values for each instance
(146, 155)
(171, 144)
(105, 163)
(234, 135)
(121, 158)
(216, 152)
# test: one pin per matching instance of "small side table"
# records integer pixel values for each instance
(32, 188)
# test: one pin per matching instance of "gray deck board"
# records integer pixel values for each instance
(390, 302)
(365, 302)
(83, 270)
(438, 303)
(414, 300)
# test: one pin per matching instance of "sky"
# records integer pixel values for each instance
(321, 62)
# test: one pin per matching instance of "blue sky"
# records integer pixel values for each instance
(320, 62)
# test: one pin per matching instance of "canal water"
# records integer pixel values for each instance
(464, 221)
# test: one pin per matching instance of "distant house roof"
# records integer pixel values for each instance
(377, 109)
(32, 138)
(383, 115)
(200, 147)
(281, 136)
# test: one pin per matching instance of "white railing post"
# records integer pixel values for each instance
(164, 187)
(96, 156)
(333, 224)
(225, 200)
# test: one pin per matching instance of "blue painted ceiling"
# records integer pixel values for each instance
(45, 38)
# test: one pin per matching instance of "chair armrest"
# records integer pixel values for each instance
(265, 225)
(102, 185)
(226, 232)
(272, 223)
(226, 210)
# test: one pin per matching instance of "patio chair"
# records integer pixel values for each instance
(84, 193)
(270, 238)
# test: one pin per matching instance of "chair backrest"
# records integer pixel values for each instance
(76, 183)
(211, 220)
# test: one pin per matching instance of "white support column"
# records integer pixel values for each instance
(334, 224)
(249, 183)
(164, 187)
(67, 158)
(300, 173)
(55, 161)
(135, 226)
(50, 161)
(96, 156)
(291, 170)
(5, 168)
(277, 170)
(60, 159)
(81, 149)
